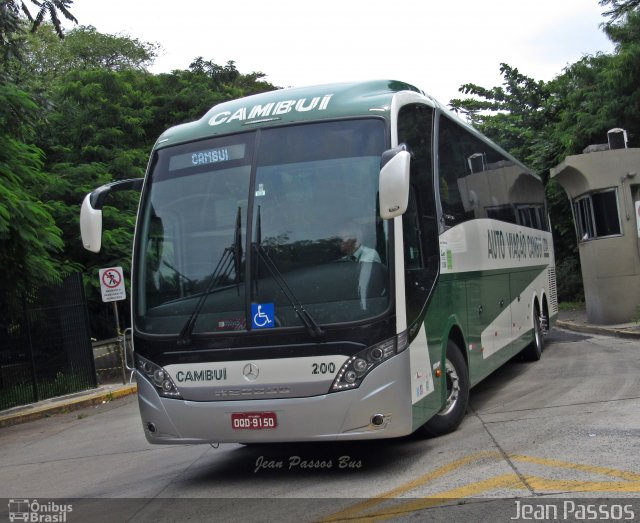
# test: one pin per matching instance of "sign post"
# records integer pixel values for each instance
(113, 290)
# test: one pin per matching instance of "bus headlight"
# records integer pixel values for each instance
(158, 377)
(358, 366)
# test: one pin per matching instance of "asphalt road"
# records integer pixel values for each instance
(550, 434)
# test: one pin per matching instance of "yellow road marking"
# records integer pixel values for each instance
(402, 507)
(575, 485)
(364, 511)
(630, 476)
(418, 482)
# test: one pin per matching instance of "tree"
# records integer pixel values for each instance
(94, 112)
(102, 112)
(618, 9)
(96, 134)
(185, 95)
(600, 92)
(514, 115)
(85, 48)
(52, 8)
(29, 237)
(13, 28)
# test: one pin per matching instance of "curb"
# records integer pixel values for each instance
(592, 329)
(64, 405)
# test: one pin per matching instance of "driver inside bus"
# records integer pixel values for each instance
(161, 286)
(352, 250)
(351, 246)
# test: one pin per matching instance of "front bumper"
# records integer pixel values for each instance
(343, 415)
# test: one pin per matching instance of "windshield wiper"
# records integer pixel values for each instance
(311, 325)
(231, 258)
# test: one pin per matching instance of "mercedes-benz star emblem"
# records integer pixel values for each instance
(250, 372)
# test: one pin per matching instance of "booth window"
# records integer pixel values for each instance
(597, 215)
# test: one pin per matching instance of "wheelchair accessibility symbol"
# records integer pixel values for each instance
(263, 315)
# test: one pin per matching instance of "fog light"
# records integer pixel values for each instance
(377, 419)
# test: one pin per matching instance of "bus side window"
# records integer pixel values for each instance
(412, 235)
(420, 228)
(453, 168)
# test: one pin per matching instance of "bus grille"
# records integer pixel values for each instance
(553, 291)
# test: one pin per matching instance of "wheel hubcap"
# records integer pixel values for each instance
(538, 332)
(453, 389)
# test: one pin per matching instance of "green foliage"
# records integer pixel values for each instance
(185, 95)
(91, 116)
(48, 9)
(570, 306)
(12, 30)
(13, 27)
(569, 280)
(21, 393)
(564, 235)
(86, 48)
(29, 237)
(95, 135)
(513, 115)
(101, 112)
(520, 96)
(619, 8)
(600, 92)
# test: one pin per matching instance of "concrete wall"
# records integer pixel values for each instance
(108, 361)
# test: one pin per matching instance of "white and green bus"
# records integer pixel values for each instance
(329, 263)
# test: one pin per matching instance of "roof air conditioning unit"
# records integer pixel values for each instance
(617, 138)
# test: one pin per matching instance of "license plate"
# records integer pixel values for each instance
(254, 420)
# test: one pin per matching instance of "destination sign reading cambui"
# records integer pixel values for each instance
(207, 157)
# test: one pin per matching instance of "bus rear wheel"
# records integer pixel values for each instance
(533, 351)
(455, 406)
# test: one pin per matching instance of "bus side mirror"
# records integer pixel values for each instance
(91, 211)
(90, 225)
(394, 182)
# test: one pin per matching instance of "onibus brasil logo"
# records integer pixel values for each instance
(35, 511)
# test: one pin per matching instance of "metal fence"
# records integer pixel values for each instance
(45, 345)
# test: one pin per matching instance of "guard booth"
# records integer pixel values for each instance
(603, 186)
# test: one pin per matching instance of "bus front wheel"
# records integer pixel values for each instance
(455, 406)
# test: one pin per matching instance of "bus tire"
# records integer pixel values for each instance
(533, 351)
(455, 407)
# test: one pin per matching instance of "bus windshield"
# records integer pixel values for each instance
(242, 232)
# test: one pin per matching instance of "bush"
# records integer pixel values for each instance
(569, 280)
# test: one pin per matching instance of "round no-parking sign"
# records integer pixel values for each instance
(112, 284)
